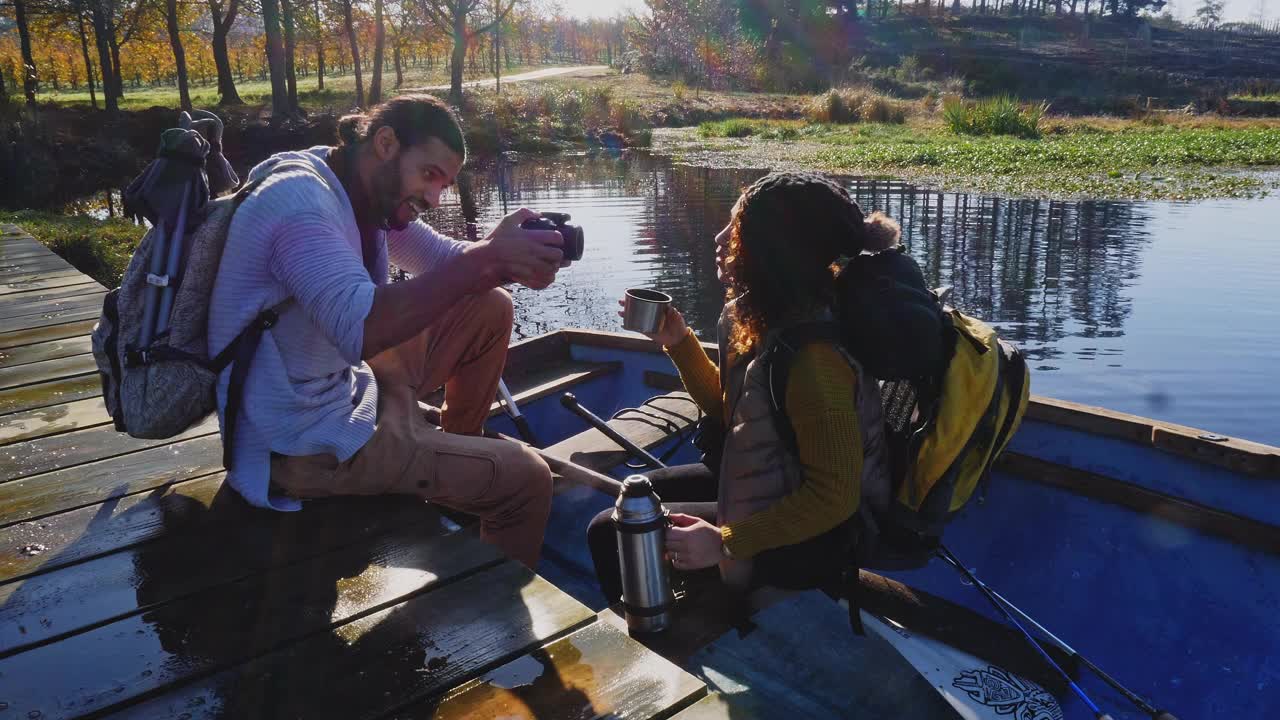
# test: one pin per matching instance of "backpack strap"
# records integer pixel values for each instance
(778, 356)
(240, 351)
(239, 354)
(1014, 366)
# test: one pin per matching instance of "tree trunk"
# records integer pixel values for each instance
(355, 50)
(88, 64)
(395, 54)
(222, 23)
(379, 47)
(319, 48)
(290, 52)
(458, 58)
(179, 57)
(29, 78)
(275, 59)
(114, 44)
(110, 99)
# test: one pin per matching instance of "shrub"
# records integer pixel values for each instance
(851, 106)
(678, 91)
(994, 116)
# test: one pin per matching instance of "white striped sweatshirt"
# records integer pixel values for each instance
(308, 391)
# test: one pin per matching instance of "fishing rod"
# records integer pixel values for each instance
(1008, 609)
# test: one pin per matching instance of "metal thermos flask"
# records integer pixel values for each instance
(641, 524)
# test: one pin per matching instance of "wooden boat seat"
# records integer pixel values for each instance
(662, 418)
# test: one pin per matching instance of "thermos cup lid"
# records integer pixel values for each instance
(636, 486)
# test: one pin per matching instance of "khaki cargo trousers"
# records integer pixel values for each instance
(506, 484)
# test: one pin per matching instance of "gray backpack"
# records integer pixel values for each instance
(151, 342)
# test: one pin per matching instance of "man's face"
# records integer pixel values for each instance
(408, 181)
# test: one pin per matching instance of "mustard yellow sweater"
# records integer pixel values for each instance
(827, 437)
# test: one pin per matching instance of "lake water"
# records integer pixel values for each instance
(1167, 310)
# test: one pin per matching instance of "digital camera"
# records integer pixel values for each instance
(572, 234)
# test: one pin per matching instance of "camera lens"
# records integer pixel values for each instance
(574, 241)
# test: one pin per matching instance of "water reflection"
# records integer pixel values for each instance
(1071, 281)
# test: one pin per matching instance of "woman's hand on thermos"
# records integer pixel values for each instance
(673, 327)
(693, 543)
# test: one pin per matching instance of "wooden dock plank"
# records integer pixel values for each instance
(11, 267)
(51, 350)
(712, 707)
(61, 490)
(18, 304)
(597, 672)
(46, 394)
(84, 446)
(32, 424)
(54, 308)
(44, 334)
(41, 283)
(46, 370)
(31, 322)
(106, 527)
(372, 665)
(222, 551)
(230, 624)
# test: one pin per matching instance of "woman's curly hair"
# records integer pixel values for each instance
(786, 235)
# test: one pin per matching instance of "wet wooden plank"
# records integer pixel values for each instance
(106, 527)
(46, 370)
(234, 545)
(61, 490)
(41, 283)
(365, 668)
(32, 424)
(30, 322)
(45, 334)
(16, 267)
(597, 672)
(227, 625)
(84, 446)
(56, 307)
(674, 413)
(51, 350)
(41, 300)
(712, 707)
(55, 392)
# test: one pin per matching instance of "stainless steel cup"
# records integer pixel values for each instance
(644, 310)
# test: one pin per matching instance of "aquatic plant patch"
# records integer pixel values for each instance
(1133, 161)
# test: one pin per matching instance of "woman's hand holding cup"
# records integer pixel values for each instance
(670, 331)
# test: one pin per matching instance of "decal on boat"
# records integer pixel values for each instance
(1008, 694)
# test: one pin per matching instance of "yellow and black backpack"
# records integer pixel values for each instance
(953, 394)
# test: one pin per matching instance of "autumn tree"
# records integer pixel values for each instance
(451, 17)
(223, 17)
(172, 19)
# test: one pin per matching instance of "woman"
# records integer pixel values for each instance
(773, 511)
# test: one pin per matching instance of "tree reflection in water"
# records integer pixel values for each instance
(1041, 270)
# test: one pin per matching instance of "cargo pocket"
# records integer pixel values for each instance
(460, 478)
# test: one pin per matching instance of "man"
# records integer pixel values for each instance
(330, 402)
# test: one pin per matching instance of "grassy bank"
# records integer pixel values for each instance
(1082, 157)
(98, 248)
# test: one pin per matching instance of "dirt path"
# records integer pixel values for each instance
(575, 70)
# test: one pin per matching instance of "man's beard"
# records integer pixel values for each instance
(387, 190)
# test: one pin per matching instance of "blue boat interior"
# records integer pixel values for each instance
(1184, 615)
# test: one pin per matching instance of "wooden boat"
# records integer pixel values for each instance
(1152, 548)
(133, 583)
